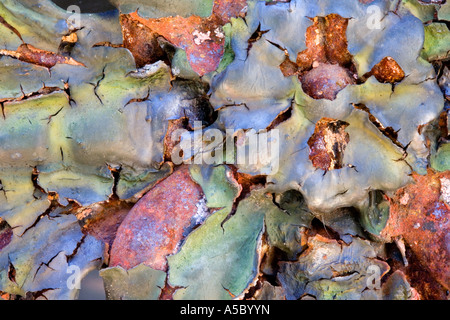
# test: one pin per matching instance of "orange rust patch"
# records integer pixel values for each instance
(141, 41)
(388, 70)
(326, 42)
(227, 9)
(336, 40)
(71, 37)
(419, 277)
(326, 66)
(29, 54)
(157, 224)
(327, 144)
(443, 124)
(288, 68)
(247, 182)
(202, 38)
(419, 214)
(102, 220)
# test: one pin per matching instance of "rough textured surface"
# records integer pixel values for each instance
(203, 39)
(388, 70)
(325, 81)
(102, 220)
(141, 41)
(420, 215)
(58, 244)
(332, 270)
(327, 144)
(350, 96)
(156, 225)
(223, 256)
(253, 87)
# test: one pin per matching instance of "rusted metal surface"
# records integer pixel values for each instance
(6, 233)
(288, 68)
(326, 42)
(420, 214)
(327, 144)
(156, 225)
(141, 41)
(325, 67)
(388, 70)
(30, 54)
(227, 9)
(202, 38)
(326, 63)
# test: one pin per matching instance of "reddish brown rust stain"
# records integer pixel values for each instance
(202, 38)
(102, 220)
(443, 124)
(141, 41)
(336, 40)
(168, 291)
(315, 45)
(227, 9)
(246, 182)
(288, 68)
(327, 144)
(281, 117)
(420, 215)
(326, 66)
(155, 226)
(6, 234)
(145, 45)
(326, 42)
(387, 70)
(417, 275)
(29, 54)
